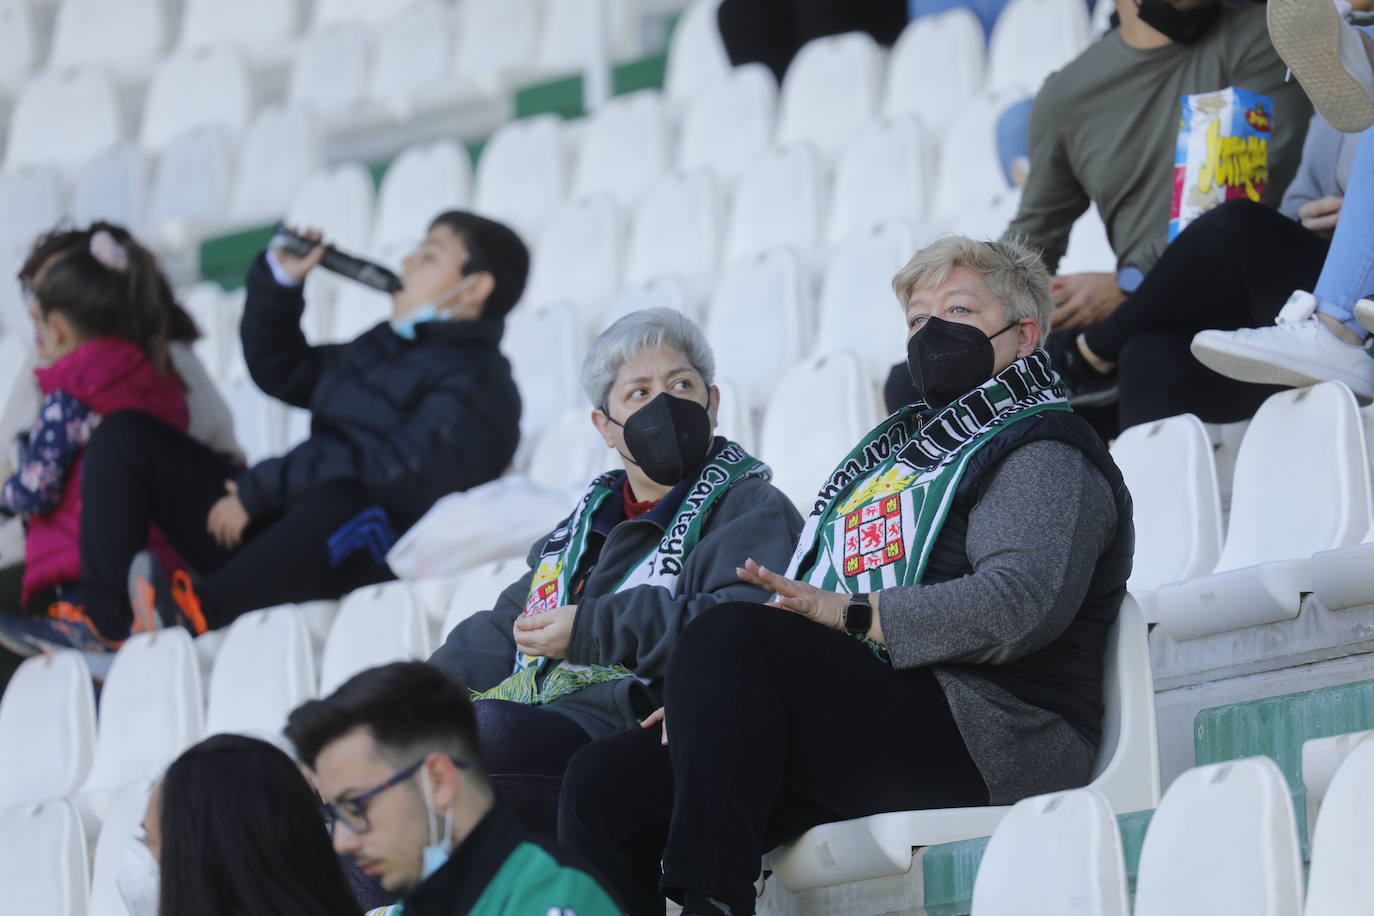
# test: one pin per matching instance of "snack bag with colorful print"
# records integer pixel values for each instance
(1222, 152)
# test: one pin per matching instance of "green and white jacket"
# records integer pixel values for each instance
(496, 871)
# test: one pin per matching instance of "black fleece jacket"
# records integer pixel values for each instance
(414, 420)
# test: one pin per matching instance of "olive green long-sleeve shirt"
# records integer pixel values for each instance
(1104, 130)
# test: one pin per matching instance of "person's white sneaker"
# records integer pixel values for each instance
(1297, 350)
(1364, 313)
(1328, 57)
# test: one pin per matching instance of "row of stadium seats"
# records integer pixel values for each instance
(1297, 519)
(1062, 854)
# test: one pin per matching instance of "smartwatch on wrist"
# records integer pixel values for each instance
(858, 615)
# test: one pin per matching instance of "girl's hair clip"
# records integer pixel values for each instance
(109, 252)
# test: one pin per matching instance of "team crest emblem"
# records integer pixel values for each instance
(544, 598)
(873, 536)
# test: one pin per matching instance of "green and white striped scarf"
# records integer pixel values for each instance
(536, 682)
(875, 520)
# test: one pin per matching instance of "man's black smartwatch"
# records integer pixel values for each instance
(858, 615)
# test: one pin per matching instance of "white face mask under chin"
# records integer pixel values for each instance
(139, 880)
(440, 844)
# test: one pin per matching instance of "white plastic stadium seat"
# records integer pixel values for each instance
(1223, 842)
(31, 199)
(522, 175)
(281, 149)
(735, 323)
(545, 347)
(729, 122)
(1340, 882)
(624, 148)
(150, 711)
(497, 43)
(883, 173)
(122, 826)
(479, 589)
(247, 25)
(1172, 476)
(584, 36)
(777, 202)
(91, 122)
(1053, 855)
(569, 455)
(412, 56)
(113, 187)
(18, 45)
(191, 184)
(676, 231)
(85, 34)
(696, 53)
(665, 292)
(376, 625)
(801, 451)
(1033, 38)
(1126, 774)
(1322, 758)
(419, 184)
(195, 89)
(935, 68)
(830, 90)
(859, 312)
(577, 257)
(970, 172)
(259, 420)
(339, 203)
(1281, 514)
(43, 869)
(1089, 248)
(986, 218)
(329, 71)
(47, 729)
(735, 418)
(1340, 578)
(369, 12)
(265, 668)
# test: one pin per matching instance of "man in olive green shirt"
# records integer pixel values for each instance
(1104, 131)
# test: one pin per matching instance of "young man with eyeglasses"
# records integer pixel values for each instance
(394, 754)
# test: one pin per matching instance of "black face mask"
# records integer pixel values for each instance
(947, 359)
(667, 437)
(1181, 26)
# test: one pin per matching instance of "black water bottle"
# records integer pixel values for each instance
(345, 265)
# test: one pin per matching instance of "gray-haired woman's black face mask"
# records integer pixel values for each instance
(667, 437)
(947, 359)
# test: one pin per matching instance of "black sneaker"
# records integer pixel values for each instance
(1083, 385)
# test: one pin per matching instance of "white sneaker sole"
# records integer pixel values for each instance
(1364, 314)
(1253, 365)
(1307, 35)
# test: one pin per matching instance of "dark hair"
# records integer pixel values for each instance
(242, 833)
(135, 303)
(410, 708)
(495, 248)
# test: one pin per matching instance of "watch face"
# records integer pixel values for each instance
(858, 617)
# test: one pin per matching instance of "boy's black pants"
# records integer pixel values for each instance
(139, 471)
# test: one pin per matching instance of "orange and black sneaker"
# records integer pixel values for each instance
(158, 601)
(64, 626)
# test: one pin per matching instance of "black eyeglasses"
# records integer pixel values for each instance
(352, 812)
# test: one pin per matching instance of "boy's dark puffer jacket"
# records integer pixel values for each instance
(414, 420)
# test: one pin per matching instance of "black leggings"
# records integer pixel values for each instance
(1231, 268)
(138, 470)
(776, 724)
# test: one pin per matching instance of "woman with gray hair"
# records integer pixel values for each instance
(576, 649)
(937, 639)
